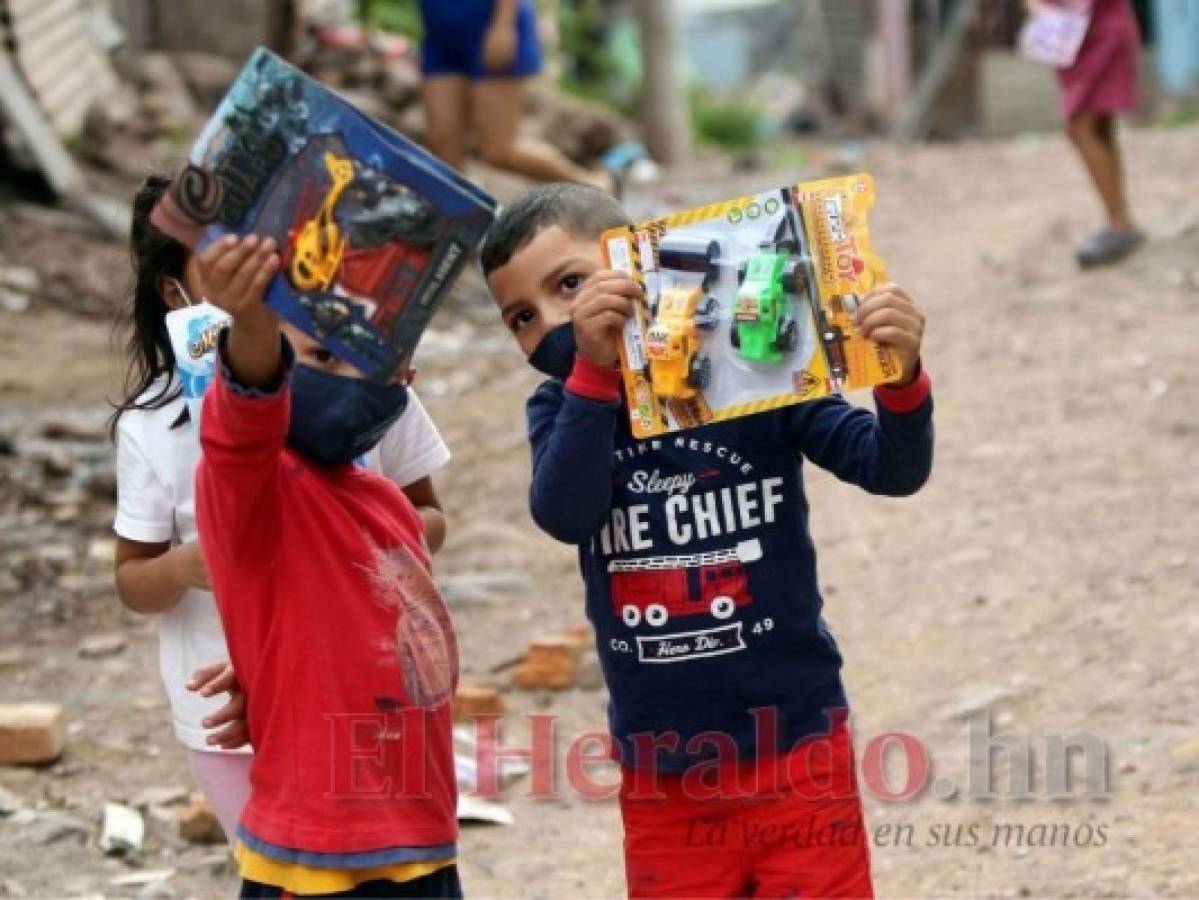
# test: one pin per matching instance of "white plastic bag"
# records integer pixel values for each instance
(1053, 35)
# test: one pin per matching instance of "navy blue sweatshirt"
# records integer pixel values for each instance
(699, 568)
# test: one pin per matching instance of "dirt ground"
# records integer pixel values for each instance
(1044, 577)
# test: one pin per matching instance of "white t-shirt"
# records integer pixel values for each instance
(156, 469)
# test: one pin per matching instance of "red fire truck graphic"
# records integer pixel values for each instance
(660, 588)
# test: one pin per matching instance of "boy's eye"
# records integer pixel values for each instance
(521, 319)
(322, 356)
(572, 283)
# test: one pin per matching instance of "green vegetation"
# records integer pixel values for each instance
(727, 123)
(601, 58)
(1179, 115)
(393, 16)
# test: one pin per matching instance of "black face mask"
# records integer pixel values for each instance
(555, 355)
(335, 420)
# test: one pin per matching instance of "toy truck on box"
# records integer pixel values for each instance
(764, 329)
(678, 368)
(765, 322)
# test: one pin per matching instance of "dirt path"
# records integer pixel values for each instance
(1045, 574)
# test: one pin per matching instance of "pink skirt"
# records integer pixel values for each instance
(224, 780)
(1104, 77)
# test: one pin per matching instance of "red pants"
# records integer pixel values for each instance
(785, 827)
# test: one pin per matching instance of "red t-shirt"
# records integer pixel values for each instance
(338, 635)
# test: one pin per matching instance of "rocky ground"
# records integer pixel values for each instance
(1042, 581)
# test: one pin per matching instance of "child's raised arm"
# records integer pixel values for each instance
(235, 274)
(572, 427)
(245, 416)
(890, 453)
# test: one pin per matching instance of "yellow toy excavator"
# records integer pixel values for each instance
(318, 248)
(678, 368)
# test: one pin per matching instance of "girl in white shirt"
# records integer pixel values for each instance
(159, 567)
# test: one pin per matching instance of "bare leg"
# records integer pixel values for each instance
(498, 107)
(1095, 138)
(447, 112)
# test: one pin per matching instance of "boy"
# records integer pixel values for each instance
(338, 636)
(726, 790)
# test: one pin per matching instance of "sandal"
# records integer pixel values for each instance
(1109, 246)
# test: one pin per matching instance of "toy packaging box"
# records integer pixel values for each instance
(372, 230)
(749, 305)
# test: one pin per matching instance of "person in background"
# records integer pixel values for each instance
(476, 58)
(1100, 84)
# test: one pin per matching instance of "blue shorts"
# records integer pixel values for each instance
(453, 42)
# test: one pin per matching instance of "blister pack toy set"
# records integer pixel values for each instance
(749, 305)
(372, 229)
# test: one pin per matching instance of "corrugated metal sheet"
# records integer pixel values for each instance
(56, 52)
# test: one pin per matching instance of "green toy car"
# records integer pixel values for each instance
(764, 328)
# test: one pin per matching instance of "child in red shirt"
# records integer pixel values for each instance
(336, 631)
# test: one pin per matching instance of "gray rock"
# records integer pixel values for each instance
(591, 676)
(9, 584)
(75, 426)
(1185, 757)
(21, 279)
(156, 890)
(14, 301)
(166, 795)
(49, 827)
(984, 700)
(10, 803)
(11, 657)
(99, 646)
(142, 877)
(56, 555)
(479, 587)
(86, 586)
(102, 551)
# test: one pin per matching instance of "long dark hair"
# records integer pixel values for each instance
(155, 256)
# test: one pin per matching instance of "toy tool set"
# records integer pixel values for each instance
(749, 305)
(372, 230)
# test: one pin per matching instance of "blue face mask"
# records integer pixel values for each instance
(555, 355)
(335, 420)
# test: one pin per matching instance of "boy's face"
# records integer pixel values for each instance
(535, 288)
(309, 352)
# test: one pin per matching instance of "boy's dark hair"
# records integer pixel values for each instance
(155, 256)
(584, 212)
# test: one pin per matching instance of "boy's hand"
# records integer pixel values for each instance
(235, 272)
(890, 317)
(216, 679)
(604, 303)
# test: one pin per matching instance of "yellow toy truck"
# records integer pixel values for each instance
(678, 368)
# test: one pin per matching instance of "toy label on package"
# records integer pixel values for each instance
(749, 305)
(372, 230)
